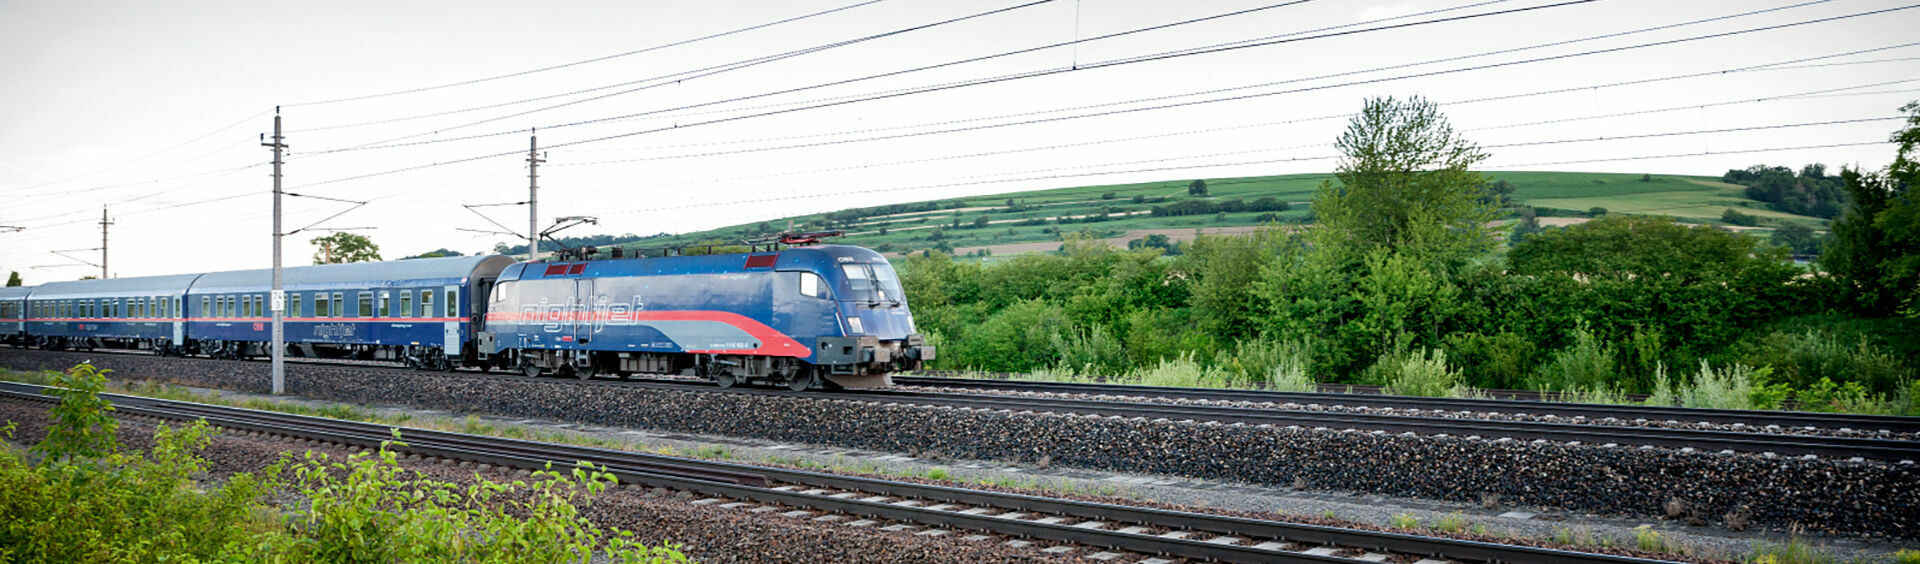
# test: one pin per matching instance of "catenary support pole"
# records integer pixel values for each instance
(279, 298)
(533, 196)
(103, 241)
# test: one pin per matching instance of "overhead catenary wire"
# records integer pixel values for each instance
(1268, 40)
(1369, 81)
(1182, 104)
(823, 84)
(665, 79)
(592, 60)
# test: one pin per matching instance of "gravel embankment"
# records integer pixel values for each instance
(1831, 496)
(708, 534)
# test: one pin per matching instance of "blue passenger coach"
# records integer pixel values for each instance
(416, 310)
(142, 312)
(798, 317)
(13, 314)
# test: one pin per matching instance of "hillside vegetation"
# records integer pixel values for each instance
(1403, 281)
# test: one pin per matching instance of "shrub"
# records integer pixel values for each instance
(1850, 397)
(1585, 365)
(1422, 373)
(1282, 365)
(1731, 387)
(1501, 360)
(1181, 372)
(82, 427)
(1803, 358)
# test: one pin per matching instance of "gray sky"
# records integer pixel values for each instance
(129, 104)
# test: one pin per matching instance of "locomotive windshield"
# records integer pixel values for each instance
(872, 283)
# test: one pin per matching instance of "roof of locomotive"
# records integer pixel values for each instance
(819, 259)
(169, 285)
(407, 272)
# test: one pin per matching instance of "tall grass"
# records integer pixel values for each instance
(1730, 387)
(1586, 365)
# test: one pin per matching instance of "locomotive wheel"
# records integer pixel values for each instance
(801, 380)
(584, 371)
(531, 370)
(725, 379)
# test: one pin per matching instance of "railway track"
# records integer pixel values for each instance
(1800, 419)
(1147, 531)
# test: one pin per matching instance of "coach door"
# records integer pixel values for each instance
(179, 324)
(450, 306)
(583, 310)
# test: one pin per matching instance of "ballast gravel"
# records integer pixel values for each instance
(1839, 497)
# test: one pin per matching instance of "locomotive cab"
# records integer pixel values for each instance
(874, 333)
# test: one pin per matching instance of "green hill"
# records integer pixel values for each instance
(1034, 220)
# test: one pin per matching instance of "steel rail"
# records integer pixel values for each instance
(695, 475)
(1758, 418)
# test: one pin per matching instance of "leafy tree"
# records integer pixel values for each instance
(13, 278)
(1197, 188)
(1596, 211)
(981, 221)
(1875, 248)
(344, 247)
(83, 425)
(1798, 238)
(1405, 183)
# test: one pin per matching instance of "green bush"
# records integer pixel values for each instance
(1498, 361)
(1423, 373)
(1586, 365)
(1804, 358)
(1850, 397)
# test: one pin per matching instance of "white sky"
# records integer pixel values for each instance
(92, 85)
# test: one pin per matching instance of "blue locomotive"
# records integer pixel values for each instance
(800, 317)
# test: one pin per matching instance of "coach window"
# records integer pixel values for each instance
(383, 304)
(812, 286)
(206, 307)
(293, 305)
(233, 306)
(339, 305)
(426, 303)
(406, 303)
(366, 305)
(453, 303)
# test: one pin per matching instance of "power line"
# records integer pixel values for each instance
(827, 84)
(1257, 95)
(135, 159)
(678, 77)
(593, 60)
(1282, 92)
(1192, 103)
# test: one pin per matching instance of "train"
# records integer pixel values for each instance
(803, 317)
